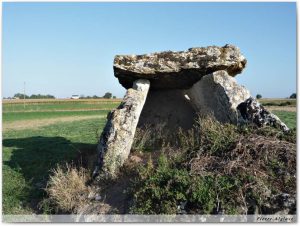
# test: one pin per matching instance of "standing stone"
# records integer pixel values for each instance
(218, 94)
(117, 137)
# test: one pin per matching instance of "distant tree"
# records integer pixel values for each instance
(107, 95)
(114, 97)
(33, 96)
(21, 96)
(95, 97)
(48, 96)
(39, 96)
(293, 96)
(258, 96)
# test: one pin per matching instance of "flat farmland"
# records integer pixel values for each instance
(278, 102)
(38, 135)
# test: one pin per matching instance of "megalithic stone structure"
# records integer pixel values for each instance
(180, 84)
(219, 94)
(118, 134)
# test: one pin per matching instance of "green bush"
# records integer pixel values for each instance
(215, 168)
(208, 134)
(158, 190)
(164, 188)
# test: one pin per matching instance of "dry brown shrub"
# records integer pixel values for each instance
(270, 161)
(67, 187)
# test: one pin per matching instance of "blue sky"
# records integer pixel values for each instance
(68, 48)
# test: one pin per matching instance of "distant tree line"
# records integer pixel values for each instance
(293, 96)
(107, 95)
(34, 96)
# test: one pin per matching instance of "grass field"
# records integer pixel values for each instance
(31, 151)
(43, 134)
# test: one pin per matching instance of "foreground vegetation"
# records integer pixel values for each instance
(217, 168)
(210, 169)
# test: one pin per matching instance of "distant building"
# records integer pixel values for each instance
(75, 97)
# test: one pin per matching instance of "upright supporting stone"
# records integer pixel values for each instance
(117, 137)
(218, 94)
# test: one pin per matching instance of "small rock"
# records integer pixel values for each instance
(251, 111)
(98, 197)
(91, 195)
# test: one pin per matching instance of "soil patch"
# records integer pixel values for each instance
(283, 108)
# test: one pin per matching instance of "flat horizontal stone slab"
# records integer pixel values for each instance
(178, 70)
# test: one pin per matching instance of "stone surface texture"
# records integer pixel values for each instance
(183, 84)
(251, 111)
(118, 134)
(218, 94)
(171, 70)
(167, 109)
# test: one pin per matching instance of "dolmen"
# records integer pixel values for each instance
(170, 89)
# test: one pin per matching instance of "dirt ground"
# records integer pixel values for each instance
(283, 108)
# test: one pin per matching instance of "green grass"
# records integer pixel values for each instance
(29, 155)
(54, 106)
(15, 116)
(289, 118)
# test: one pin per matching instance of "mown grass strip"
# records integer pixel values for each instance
(17, 116)
(58, 106)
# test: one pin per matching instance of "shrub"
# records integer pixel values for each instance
(217, 168)
(67, 188)
(268, 131)
(158, 190)
(169, 189)
(208, 134)
(216, 137)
